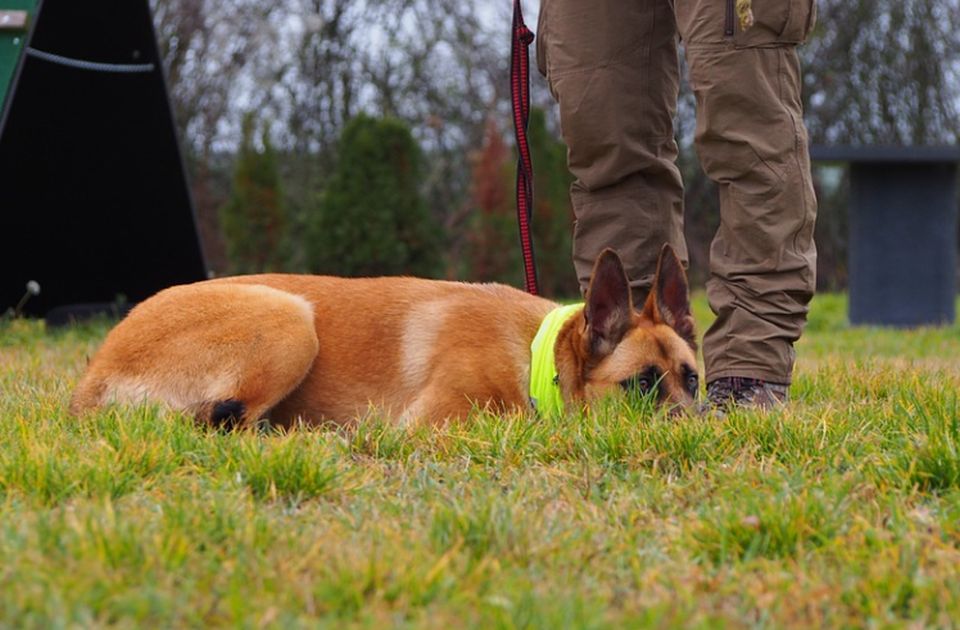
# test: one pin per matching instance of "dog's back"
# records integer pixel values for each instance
(410, 347)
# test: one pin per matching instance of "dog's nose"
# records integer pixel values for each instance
(684, 406)
(677, 409)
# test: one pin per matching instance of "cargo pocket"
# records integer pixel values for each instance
(577, 37)
(776, 22)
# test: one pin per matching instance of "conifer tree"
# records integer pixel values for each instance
(372, 219)
(253, 219)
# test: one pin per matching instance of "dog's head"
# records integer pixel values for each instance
(615, 348)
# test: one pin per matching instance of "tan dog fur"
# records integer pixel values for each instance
(324, 349)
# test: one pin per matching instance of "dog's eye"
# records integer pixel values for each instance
(692, 383)
(639, 383)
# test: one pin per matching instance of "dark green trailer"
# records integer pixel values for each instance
(94, 200)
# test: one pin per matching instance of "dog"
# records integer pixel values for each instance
(235, 351)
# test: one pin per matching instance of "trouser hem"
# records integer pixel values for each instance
(769, 376)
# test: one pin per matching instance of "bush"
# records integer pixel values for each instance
(371, 219)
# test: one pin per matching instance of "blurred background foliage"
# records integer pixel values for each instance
(362, 137)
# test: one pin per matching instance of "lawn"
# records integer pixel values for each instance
(843, 510)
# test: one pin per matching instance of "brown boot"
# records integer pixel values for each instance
(750, 393)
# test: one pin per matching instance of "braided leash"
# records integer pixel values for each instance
(520, 94)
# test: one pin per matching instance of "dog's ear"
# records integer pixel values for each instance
(609, 308)
(669, 299)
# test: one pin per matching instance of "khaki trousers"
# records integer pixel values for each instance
(613, 67)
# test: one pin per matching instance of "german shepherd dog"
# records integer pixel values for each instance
(316, 349)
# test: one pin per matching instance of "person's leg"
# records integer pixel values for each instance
(613, 68)
(752, 141)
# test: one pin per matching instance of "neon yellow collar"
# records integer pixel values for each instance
(544, 386)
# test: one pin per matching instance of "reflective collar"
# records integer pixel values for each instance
(544, 383)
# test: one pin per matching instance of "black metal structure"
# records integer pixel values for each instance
(903, 233)
(94, 201)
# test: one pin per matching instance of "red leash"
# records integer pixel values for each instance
(520, 94)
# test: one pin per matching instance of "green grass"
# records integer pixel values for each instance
(843, 510)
